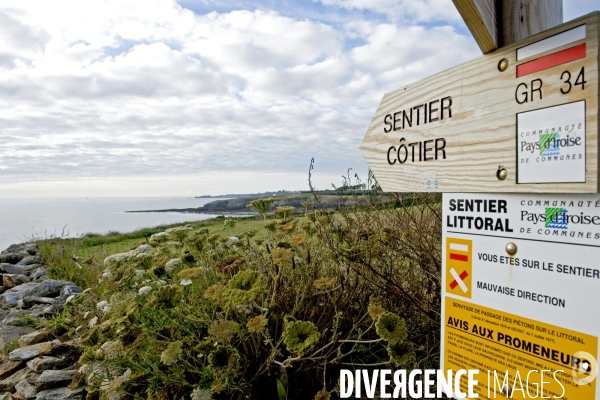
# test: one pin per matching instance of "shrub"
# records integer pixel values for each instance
(279, 314)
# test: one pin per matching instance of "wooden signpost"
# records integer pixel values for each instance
(521, 119)
(520, 278)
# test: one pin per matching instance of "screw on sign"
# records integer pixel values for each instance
(459, 258)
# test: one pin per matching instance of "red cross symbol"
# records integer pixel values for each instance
(455, 282)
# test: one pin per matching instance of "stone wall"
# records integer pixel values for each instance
(34, 364)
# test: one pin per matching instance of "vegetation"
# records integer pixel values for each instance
(261, 206)
(257, 309)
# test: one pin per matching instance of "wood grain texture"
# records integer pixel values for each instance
(480, 17)
(481, 135)
(520, 19)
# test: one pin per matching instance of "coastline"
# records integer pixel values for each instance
(238, 206)
(39, 218)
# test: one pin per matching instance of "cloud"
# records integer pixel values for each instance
(413, 11)
(19, 42)
(242, 41)
(124, 90)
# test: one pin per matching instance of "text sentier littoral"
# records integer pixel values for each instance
(479, 223)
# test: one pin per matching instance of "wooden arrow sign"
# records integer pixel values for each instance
(519, 119)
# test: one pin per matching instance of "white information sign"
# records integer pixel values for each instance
(551, 144)
(521, 292)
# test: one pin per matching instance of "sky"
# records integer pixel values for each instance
(165, 98)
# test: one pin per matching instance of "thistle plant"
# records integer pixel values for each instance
(223, 330)
(261, 206)
(224, 360)
(402, 355)
(257, 324)
(300, 336)
(391, 328)
(244, 288)
(306, 204)
(284, 212)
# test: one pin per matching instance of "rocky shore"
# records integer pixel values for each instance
(35, 364)
(239, 205)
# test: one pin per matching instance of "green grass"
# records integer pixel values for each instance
(91, 249)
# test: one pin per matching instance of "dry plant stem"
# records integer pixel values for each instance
(366, 365)
(187, 317)
(324, 376)
(361, 341)
(415, 302)
(312, 189)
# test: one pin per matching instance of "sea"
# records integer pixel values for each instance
(26, 219)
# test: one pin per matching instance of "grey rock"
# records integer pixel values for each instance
(12, 248)
(31, 246)
(11, 297)
(50, 379)
(26, 389)
(26, 287)
(3, 289)
(68, 351)
(27, 353)
(7, 368)
(12, 280)
(14, 269)
(29, 260)
(53, 348)
(15, 248)
(11, 258)
(56, 307)
(6, 396)
(18, 317)
(8, 384)
(33, 338)
(38, 273)
(29, 301)
(60, 394)
(43, 363)
(10, 334)
(48, 288)
(70, 290)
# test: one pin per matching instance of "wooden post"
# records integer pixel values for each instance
(480, 17)
(498, 23)
(519, 19)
